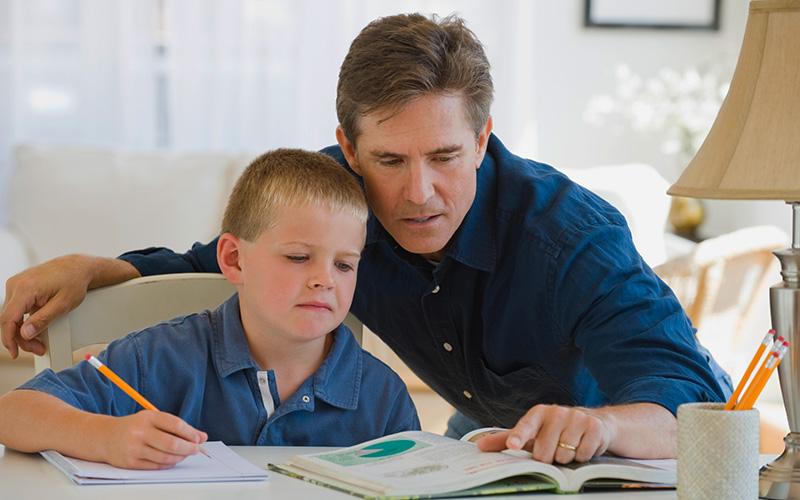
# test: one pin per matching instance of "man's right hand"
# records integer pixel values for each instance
(49, 290)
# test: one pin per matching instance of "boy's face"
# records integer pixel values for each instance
(419, 168)
(297, 279)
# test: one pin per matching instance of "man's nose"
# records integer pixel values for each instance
(419, 185)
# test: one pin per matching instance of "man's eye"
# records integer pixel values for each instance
(297, 258)
(390, 162)
(344, 266)
(443, 159)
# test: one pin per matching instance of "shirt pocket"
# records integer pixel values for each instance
(508, 396)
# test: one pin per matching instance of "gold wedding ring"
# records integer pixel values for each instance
(567, 446)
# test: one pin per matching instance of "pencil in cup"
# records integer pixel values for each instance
(743, 382)
(127, 389)
(759, 384)
(760, 373)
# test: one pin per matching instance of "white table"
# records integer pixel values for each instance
(29, 476)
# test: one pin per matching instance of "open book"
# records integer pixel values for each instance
(424, 465)
(222, 464)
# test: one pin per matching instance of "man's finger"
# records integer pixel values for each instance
(527, 428)
(40, 319)
(493, 442)
(34, 345)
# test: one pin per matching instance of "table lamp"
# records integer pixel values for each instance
(753, 153)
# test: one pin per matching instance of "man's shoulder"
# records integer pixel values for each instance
(544, 202)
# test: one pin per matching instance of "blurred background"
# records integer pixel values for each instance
(123, 120)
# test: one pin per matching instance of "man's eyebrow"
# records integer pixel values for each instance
(454, 148)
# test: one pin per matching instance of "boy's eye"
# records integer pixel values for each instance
(297, 258)
(344, 266)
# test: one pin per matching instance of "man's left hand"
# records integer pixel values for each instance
(556, 433)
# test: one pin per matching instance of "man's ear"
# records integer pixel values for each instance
(483, 141)
(348, 148)
(229, 253)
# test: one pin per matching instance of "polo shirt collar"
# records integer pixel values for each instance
(337, 381)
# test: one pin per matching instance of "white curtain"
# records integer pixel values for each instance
(244, 75)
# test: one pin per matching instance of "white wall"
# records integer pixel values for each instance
(572, 63)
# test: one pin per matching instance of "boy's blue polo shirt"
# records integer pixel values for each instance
(199, 368)
(541, 298)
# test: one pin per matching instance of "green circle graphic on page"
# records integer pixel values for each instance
(386, 449)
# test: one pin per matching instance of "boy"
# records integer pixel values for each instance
(272, 365)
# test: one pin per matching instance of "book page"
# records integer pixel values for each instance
(223, 465)
(419, 463)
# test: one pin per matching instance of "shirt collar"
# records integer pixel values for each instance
(474, 243)
(337, 381)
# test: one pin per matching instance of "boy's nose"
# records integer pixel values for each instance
(321, 279)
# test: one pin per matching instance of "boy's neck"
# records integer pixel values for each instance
(291, 360)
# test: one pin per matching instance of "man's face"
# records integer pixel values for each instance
(419, 167)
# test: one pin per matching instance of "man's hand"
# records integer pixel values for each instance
(148, 440)
(49, 290)
(550, 432)
(555, 433)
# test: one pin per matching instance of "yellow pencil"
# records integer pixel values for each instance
(747, 403)
(753, 362)
(130, 391)
(760, 373)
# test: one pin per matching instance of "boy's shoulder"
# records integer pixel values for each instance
(185, 337)
(377, 371)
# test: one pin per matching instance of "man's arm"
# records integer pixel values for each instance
(49, 290)
(32, 421)
(642, 430)
(57, 286)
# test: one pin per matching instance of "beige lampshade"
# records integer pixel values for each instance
(753, 148)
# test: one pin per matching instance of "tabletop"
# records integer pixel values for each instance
(29, 476)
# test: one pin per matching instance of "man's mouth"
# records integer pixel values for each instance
(421, 220)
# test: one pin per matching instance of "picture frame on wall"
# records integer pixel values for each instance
(653, 14)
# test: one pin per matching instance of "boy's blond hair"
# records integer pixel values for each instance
(286, 177)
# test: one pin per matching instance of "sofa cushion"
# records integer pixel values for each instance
(105, 202)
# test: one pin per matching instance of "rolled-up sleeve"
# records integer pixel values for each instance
(634, 337)
(201, 258)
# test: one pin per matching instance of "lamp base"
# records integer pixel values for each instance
(780, 479)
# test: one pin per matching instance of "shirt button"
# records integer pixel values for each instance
(306, 399)
(467, 394)
(435, 289)
(447, 347)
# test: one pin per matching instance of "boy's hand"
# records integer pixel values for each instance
(149, 440)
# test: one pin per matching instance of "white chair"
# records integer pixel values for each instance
(114, 311)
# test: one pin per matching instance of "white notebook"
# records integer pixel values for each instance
(224, 465)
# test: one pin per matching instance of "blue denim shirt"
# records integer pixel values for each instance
(199, 368)
(541, 298)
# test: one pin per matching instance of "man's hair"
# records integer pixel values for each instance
(289, 177)
(396, 59)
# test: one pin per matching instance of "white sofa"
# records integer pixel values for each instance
(102, 202)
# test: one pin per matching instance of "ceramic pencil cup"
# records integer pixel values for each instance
(717, 452)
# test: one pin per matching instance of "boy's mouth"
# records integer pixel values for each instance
(318, 306)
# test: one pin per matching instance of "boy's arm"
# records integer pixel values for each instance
(32, 421)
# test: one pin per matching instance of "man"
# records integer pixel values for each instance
(516, 294)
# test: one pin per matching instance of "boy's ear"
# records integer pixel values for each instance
(348, 149)
(228, 255)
